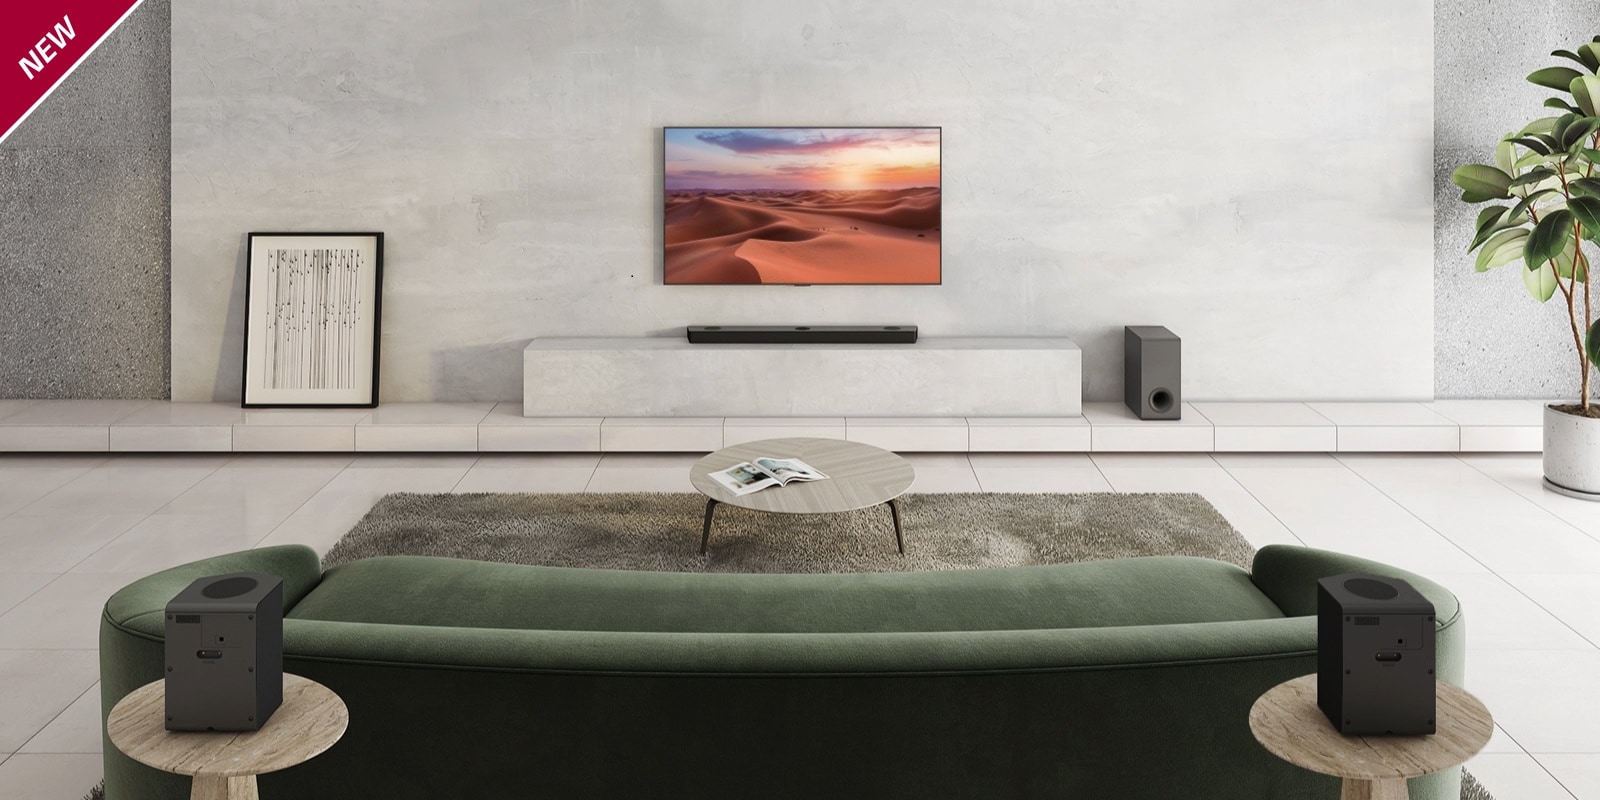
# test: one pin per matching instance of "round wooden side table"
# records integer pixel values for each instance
(225, 765)
(1287, 721)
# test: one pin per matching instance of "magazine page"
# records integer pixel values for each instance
(743, 479)
(789, 469)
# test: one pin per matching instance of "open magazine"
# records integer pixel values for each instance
(762, 473)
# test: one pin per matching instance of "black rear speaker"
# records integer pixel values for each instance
(1151, 372)
(225, 653)
(1375, 657)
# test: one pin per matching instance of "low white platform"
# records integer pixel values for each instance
(669, 377)
(98, 426)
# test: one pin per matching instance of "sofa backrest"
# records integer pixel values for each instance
(442, 592)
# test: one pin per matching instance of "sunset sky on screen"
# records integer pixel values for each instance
(799, 159)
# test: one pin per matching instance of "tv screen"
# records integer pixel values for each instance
(801, 205)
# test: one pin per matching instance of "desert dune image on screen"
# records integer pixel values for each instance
(802, 205)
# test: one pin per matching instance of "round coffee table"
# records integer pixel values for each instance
(1287, 721)
(859, 476)
(225, 765)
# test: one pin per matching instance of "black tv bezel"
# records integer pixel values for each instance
(662, 196)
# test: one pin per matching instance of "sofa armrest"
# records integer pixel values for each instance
(1288, 575)
(140, 606)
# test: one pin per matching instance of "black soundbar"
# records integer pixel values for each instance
(802, 334)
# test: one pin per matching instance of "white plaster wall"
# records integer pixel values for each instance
(1254, 174)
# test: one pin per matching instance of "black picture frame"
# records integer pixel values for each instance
(297, 285)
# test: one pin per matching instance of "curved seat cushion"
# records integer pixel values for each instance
(446, 592)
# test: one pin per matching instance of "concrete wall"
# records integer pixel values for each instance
(84, 226)
(1492, 338)
(1252, 173)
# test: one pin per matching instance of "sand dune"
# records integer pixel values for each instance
(816, 236)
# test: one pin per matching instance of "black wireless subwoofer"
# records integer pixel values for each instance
(1375, 657)
(1152, 373)
(225, 653)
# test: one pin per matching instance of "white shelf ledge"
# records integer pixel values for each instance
(98, 426)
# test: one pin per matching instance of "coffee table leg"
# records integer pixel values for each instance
(221, 787)
(899, 538)
(705, 532)
(1390, 789)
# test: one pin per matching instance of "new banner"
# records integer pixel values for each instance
(42, 42)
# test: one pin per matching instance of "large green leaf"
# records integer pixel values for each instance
(1588, 186)
(1541, 282)
(1589, 56)
(1591, 343)
(1585, 90)
(1505, 156)
(1578, 132)
(1521, 208)
(1479, 183)
(1556, 102)
(1558, 78)
(1541, 125)
(1533, 176)
(1539, 146)
(1548, 237)
(1504, 248)
(1568, 54)
(1586, 210)
(1566, 260)
(1490, 221)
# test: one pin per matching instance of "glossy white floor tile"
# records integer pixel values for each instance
(57, 544)
(35, 776)
(138, 485)
(18, 586)
(1516, 776)
(63, 615)
(1335, 509)
(39, 685)
(1580, 774)
(75, 730)
(1573, 598)
(1547, 700)
(1516, 556)
(1510, 613)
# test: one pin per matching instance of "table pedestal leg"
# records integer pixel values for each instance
(705, 532)
(899, 538)
(1389, 789)
(219, 787)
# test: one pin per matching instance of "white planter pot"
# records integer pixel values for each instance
(1571, 454)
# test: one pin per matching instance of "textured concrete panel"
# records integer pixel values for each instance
(1252, 174)
(669, 377)
(1491, 338)
(84, 227)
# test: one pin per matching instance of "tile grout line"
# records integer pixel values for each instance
(313, 496)
(1259, 501)
(1558, 781)
(1529, 500)
(53, 719)
(146, 518)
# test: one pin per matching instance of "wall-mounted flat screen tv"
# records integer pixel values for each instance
(802, 205)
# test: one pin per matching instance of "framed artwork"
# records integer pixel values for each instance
(312, 304)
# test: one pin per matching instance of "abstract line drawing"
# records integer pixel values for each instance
(312, 308)
(312, 314)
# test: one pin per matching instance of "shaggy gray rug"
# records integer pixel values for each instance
(655, 531)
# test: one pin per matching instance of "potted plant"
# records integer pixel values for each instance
(1547, 173)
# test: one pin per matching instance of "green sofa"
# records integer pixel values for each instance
(1112, 679)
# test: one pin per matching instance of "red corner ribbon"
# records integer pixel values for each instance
(42, 42)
